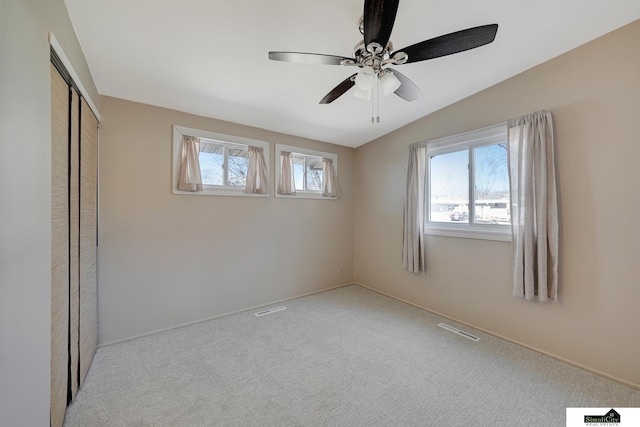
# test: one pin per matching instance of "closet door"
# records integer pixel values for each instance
(74, 244)
(74, 159)
(88, 236)
(59, 246)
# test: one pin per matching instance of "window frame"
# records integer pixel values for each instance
(307, 153)
(226, 141)
(465, 141)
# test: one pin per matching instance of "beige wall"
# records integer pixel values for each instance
(166, 259)
(594, 95)
(25, 210)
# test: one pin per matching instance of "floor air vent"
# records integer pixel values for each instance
(458, 331)
(271, 310)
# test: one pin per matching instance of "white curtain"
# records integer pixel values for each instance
(257, 178)
(534, 207)
(330, 186)
(286, 184)
(413, 248)
(190, 178)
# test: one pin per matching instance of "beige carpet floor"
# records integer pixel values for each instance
(345, 357)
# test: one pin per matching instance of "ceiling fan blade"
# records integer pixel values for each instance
(379, 16)
(450, 43)
(408, 89)
(308, 58)
(339, 90)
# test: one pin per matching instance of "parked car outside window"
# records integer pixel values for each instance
(460, 213)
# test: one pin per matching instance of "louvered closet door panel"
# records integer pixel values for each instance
(74, 243)
(88, 236)
(59, 246)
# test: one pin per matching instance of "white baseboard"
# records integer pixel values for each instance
(182, 325)
(546, 353)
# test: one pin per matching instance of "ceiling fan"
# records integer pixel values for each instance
(373, 54)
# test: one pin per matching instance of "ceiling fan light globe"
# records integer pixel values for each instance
(389, 83)
(362, 93)
(365, 79)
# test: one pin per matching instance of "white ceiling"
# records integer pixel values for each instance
(209, 57)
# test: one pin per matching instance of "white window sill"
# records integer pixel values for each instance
(503, 235)
(223, 191)
(306, 195)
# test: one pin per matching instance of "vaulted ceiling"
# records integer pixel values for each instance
(210, 57)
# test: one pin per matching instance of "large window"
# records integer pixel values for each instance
(223, 159)
(468, 185)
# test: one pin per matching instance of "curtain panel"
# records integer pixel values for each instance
(257, 177)
(534, 206)
(286, 183)
(190, 178)
(330, 186)
(413, 239)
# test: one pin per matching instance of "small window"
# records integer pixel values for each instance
(223, 164)
(223, 160)
(308, 171)
(468, 185)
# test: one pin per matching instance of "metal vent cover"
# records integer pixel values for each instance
(458, 331)
(270, 311)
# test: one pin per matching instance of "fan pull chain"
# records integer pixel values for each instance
(373, 98)
(375, 103)
(377, 100)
